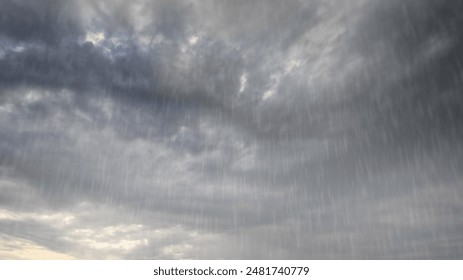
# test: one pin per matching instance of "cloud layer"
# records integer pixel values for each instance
(233, 130)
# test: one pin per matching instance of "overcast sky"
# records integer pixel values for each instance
(237, 129)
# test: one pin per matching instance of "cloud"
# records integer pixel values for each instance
(190, 129)
(47, 21)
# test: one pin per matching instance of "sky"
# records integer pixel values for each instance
(317, 129)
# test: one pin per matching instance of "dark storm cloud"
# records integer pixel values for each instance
(78, 67)
(262, 129)
(424, 42)
(47, 21)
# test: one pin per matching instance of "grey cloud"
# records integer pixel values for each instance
(261, 24)
(75, 66)
(47, 21)
(309, 129)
